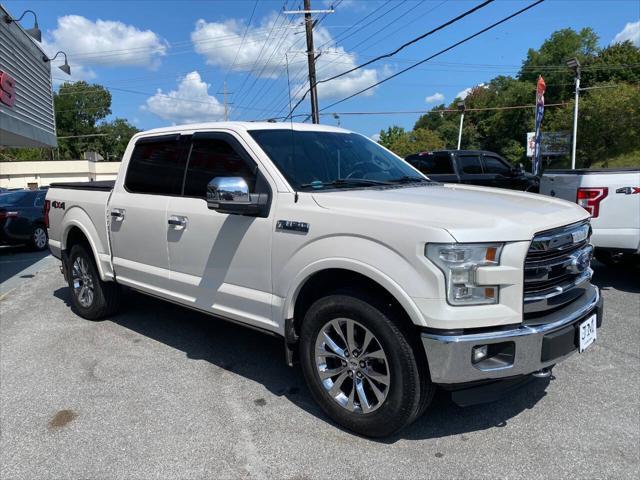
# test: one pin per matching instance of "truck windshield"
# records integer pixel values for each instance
(327, 160)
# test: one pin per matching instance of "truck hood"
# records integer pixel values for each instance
(469, 213)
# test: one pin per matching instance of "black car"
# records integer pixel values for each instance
(475, 167)
(22, 218)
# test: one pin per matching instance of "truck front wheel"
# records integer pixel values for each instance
(360, 367)
(91, 297)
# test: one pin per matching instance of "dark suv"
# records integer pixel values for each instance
(22, 218)
(475, 167)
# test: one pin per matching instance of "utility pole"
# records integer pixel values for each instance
(311, 55)
(226, 103)
(311, 58)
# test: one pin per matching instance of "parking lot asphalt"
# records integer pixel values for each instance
(162, 392)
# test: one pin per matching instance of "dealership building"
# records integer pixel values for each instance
(26, 99)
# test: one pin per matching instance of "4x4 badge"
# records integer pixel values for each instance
(628, 190)
(291, 226)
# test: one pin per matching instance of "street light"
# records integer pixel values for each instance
(574, 65)
(65, 68)
(461, 108)
(33, 32)
(337, 117)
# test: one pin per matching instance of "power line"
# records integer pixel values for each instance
(403, 46)
(451, 47)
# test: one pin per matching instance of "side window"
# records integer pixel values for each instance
(157, 166)
(214, 157)
(495, 165)
(436, 164)
(470, 164)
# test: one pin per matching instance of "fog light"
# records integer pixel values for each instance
(479, 353)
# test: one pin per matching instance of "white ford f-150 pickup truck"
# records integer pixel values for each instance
(382, 283)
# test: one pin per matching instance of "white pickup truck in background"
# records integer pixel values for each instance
(612, 197)
(382, 283)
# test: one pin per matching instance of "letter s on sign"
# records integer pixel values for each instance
(7, 89)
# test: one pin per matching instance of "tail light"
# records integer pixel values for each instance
(47, 207)
(4, 215)
(590, 198)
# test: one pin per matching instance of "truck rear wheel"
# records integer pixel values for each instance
(360, 367)
(91, 298)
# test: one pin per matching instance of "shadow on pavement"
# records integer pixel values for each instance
(624, 278)
(15, 259)
(260, 357)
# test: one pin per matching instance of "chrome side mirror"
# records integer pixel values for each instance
(228, 189)
(231, 195)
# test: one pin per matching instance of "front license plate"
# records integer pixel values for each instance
(587, 332)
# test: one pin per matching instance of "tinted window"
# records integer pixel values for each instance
(436, 164)
(495, 165)
(157, 167)
(212, 158)
(470, 164)
(310, 159)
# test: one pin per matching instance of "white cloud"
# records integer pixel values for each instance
(190, 103)
(436, 97)
(375, 137)
(219, 42)
(464, 93)
(631, 32)
(103, 42)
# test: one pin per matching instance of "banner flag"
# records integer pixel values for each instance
(540, 89)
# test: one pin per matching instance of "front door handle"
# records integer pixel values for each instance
(177, 222)
(117, 214)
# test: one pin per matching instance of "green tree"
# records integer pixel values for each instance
(608, 123)
(549, 61)
(79, 107)
(118, 133)
(619, 62)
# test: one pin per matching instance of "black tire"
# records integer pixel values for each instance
(39, 238)
(106, 295)
(409, 390)
(621, 260)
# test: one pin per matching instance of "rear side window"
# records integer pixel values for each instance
(157, 166)
(470, 164)
(436, 164)
(214, 157)
(495, 165)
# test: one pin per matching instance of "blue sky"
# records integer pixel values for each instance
(165, 61)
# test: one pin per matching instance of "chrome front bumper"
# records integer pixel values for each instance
(450, 356)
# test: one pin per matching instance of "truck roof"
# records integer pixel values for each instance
(246, 126)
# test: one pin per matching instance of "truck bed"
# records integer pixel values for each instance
(102, 185)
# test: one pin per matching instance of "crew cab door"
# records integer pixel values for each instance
(137, 212)
(220, 262)
(498, 172)
(470, 170)
(438, 166)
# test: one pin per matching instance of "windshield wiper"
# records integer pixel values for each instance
(344, 182)
(408, 179)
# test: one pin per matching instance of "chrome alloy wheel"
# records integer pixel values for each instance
(40, 238)
(82, 282)
(352, 365)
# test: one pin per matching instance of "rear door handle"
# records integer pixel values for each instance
(177, 222)
(118, 214)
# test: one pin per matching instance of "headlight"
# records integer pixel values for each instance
(459, 262)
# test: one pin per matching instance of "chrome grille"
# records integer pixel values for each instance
(557, 269)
